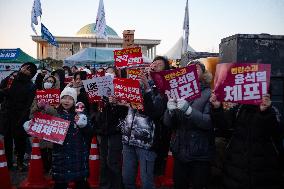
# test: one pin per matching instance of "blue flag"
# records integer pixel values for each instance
(46, 35)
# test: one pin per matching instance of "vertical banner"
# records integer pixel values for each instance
(50, 96)
(128, 57)
(49, 128)
(99, 87)
(128, 91)
(181, 83)
(243, 83)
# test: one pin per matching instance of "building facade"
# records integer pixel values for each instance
(86, 37)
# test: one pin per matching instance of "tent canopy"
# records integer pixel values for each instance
(16, 56)
(175, 52)
(12, 59)
(95, 56)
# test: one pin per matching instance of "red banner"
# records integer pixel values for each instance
(128, 91)
(181, 83)
(67, 80)
(134, 73)
(49, 128)
(128, 57)
(243, 83)
(50, 96)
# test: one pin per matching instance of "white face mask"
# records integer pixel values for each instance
(109, 74)
(47, 85)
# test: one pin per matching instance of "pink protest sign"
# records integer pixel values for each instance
(50, 96)
(128, 57)
(181, 83)
(243, 83)
(128, 91)
(49, 128)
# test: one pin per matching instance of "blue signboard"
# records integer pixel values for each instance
(9, 54)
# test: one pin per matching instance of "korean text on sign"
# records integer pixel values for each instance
(242, 83)
(128, 57)
(99, 87)
(134, 73)
(181, 83)
(50, 96)
(49, 128)
(128, 91)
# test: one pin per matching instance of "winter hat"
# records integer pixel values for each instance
(68, 91)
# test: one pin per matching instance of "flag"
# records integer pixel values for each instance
(46, 35)
(185, 29)
(100, 27)
(36, 12)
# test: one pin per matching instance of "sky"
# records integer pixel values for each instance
(209, 20)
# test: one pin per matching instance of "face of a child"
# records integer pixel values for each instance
(67, 102)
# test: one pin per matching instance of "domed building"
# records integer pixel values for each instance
(86, 37)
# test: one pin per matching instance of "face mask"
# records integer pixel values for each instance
(47, 85)
(109, 74)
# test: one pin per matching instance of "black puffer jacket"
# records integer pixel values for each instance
(192, 138)
(251, 159)
(106, 122)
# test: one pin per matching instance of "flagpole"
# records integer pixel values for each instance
(96, 51)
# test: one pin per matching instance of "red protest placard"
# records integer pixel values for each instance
(128, 57)
(134, 73)
(243, 83)
(50, 96)
(128, 91)
(181, 83)
(49, 128)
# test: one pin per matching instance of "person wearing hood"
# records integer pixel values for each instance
(192, 142)
(15, 111)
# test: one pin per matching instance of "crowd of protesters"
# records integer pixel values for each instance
(253, 157)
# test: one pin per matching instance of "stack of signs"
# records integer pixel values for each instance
(48, 127)
(99, 87)
(181, 83)
(128, 91)
(49, 96)
(128, 57)
(242, 82)
(134, 73)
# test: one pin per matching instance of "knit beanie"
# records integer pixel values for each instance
(68, 91)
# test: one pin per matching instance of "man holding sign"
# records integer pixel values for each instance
(188, 115)
(252, 156)
(141, 132)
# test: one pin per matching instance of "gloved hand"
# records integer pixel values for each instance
(26, 125)
(184, 106)
(81, 120)
(172, 104)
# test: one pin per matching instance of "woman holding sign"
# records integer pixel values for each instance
(252, 155)
(192, 142)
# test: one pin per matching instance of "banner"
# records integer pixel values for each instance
(6, 54)
(128, 57)
(49, 128)
(181, 83)
(46, 35)
(68, 79)
(242, 83)
(128, 91)
(50, 96)
(185, 29)
(36, 12)
(134, 73)
(100, 27)
(99, 87)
